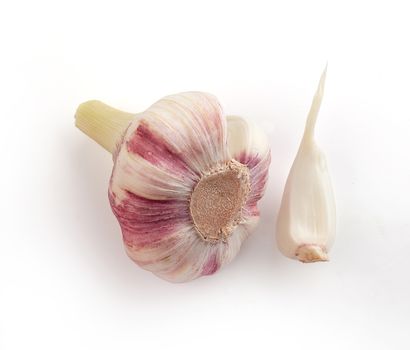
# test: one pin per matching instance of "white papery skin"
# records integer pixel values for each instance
(306, 223)
(162, 156)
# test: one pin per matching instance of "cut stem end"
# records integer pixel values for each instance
(104, 124)
(309, 253)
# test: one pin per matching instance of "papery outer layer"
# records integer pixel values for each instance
(162, 157)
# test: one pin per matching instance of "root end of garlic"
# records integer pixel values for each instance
(217, 200)
(102, 123)
(308, 253)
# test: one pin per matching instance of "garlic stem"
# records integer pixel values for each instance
(102, 123)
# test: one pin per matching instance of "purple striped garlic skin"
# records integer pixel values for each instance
(185, 185)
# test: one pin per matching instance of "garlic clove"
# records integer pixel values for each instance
(306, 224)
(246, 138)
(184, 203)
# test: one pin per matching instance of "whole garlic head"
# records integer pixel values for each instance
(185, 183)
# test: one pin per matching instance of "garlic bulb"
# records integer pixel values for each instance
(185, 183)
(306, 223)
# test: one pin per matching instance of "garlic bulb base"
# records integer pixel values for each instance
(217, 199)
(102, 123)
(308, 253)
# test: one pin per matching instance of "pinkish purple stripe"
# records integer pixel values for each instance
(211, 266)
(259, 170)
(146, 221)
(150, 146)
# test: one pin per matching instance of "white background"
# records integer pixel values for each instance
(65, 281)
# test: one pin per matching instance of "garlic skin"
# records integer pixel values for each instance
(306, 224)
(185, 183)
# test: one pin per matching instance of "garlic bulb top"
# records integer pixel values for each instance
(185, 183)
(306, 223)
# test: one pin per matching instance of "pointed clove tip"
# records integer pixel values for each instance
(322, 81)
(309, 253)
